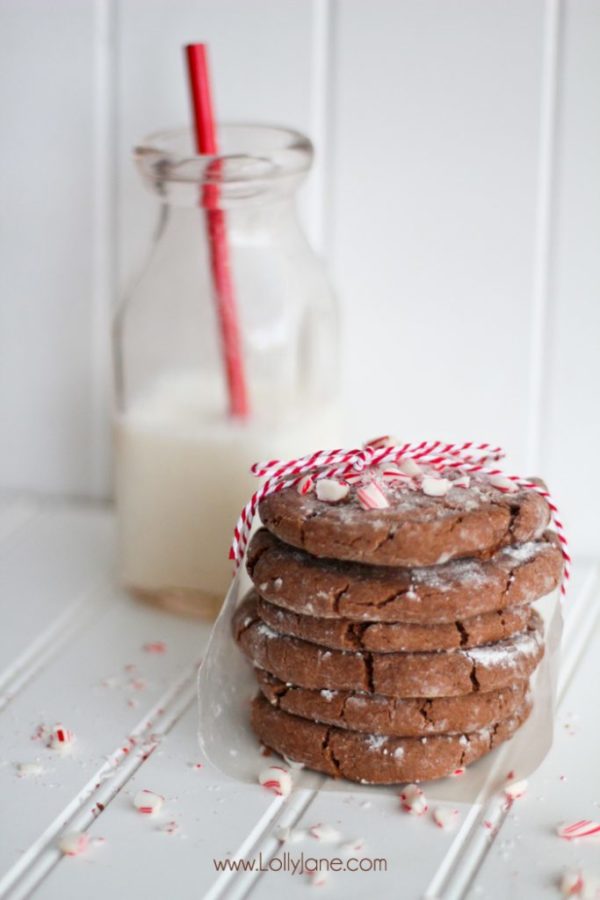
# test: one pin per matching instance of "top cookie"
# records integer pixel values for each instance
(414, 529)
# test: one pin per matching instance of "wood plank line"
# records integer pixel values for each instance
(101, 789)
(541, 311)
(286, 814)
(321, 122)
(104, 244)
(456, 874)
(46, 646)
(15, 512)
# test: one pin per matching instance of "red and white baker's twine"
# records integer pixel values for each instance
(347, 464)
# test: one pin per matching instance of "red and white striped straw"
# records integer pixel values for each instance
(469, 458)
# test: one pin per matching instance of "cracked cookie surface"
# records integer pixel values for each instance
(428, 674)
(328, 588)
(388, 637)
(414, 530)
(374, 758)
(376, 714)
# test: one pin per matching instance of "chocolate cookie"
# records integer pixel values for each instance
(387, 637)
(440, 674)
(415, 529)
(375, 759)
(446, 593)
(375, 714)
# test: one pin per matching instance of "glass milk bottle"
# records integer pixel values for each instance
(182, 458)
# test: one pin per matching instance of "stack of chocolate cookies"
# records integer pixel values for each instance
(390, 624)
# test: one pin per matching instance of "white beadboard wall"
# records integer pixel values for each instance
(456, 199)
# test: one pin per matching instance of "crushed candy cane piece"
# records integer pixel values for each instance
(148, 802)
(319, 877)
(305, 485)
(463, 482)
(504, 484)
(73, 843)
(458, 772)
(276, 779)
(410, 467)
(25, 770)
(371, 496)
(378, 443)
(573, 830)
(413, 800)
(292, 763)
(435, 487)
(515, 790)
(330, 490)
(61, 739)
(350, 847)
(288, 835)
(445, 816)
(326, 833)
(282, 833)
(580, 884)
(394, 474)
(155, 647)
(571, 884)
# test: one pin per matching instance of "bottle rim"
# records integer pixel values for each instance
(251, 153)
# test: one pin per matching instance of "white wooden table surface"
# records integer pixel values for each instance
(71, 651)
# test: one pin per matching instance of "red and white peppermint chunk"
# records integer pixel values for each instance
(515, 790)
(378, 443)
(286, 834)
(319, 877)
(393, 473)
(330, 490)
(463, 482)
(349, 848)
(73, 843)
(410, 467)
(148, 802)
(305, 485)
(326, 833)
(445, 817)
(276, 779)
(435, 487)
(572, 830)
(61, 739)
(413, 800)
(370, 496)
(580, 884)
(155, 647)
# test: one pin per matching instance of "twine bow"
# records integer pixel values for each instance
(467, 458)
